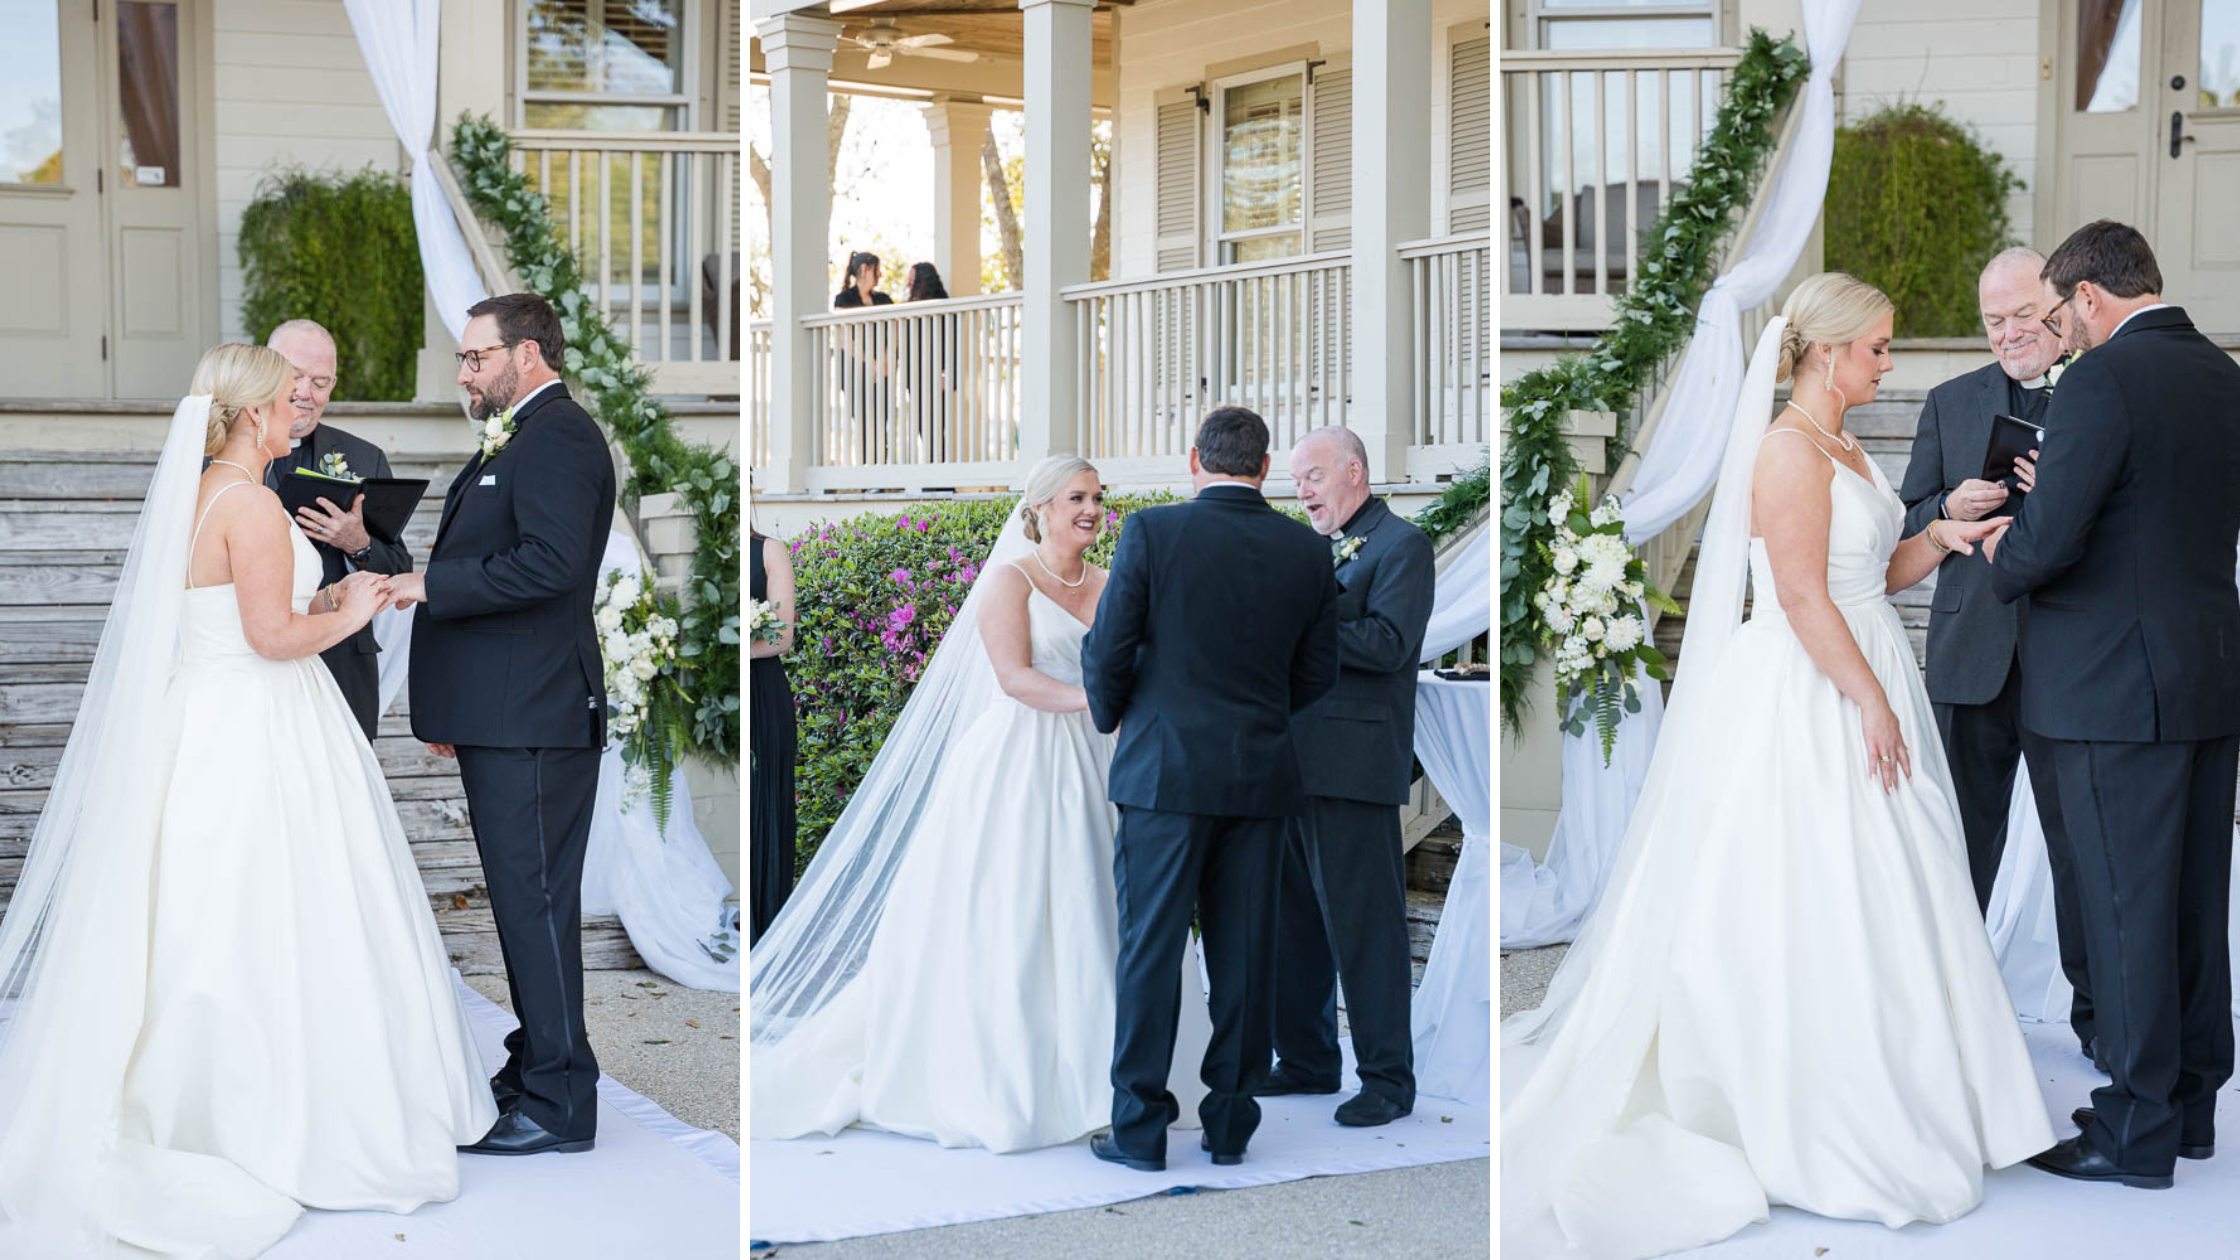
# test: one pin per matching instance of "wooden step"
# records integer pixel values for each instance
(1431, 863)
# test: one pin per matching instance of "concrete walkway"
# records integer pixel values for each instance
(1432, 1212)
(677, 1046)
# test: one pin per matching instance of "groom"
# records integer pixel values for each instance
(2131, 667)
(1219, 622)
(506, 677)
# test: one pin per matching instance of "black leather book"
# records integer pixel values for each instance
(2011, 439)
(389, 500)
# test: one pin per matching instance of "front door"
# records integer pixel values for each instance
(104, 259)
(2147, 109)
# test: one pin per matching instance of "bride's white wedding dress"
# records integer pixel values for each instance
(1788, 996)
(983, 1012)
(289, 1035)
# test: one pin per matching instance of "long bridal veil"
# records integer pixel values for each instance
(1604, 1032)
(74, 941)
(821, 937)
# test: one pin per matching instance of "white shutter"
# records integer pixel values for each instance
(1330, 160)
(1177, 147)
(1470, 136)
(730, 101)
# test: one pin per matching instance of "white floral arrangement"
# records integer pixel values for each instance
(646, 703)
(337, 465)
(763, 621)
(1595, 610)
(495, 433)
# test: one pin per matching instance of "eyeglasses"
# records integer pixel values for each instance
(472, 359)
(2052, 325)
(320, 383)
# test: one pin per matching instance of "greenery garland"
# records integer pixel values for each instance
(1463, 498)
(1654, 317)
(603, 365)
(339, 249)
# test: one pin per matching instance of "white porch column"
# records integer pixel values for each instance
(1056, 223)
(959, 129)
(798, 53)
(1391, 205)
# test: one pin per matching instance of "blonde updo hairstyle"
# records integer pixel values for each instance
(1831, 309)
(238, 377)
(1047, 482)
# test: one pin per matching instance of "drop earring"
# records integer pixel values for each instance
(1829, 382)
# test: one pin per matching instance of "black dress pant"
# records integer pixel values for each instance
(1982, 745)
(1342, 914)
(1163, 865)
(531, 809)
(2151, 828)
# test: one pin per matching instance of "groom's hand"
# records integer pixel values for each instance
(409, 589)
(444, 750)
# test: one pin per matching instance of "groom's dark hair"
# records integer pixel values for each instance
(1232, 442)
(2111, 255)
(527, 317)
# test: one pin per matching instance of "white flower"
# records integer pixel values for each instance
(1605, 514)
(644, 668)
(610, 618)
(1606, 573)
(1591, 628)
(495, 426)
(626, 592)
(1633, 590)
(1606, 603)
(1566, 560)
(1623, 633)
(1561, 621)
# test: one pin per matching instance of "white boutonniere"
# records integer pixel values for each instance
(496, 432)
(2053, 372)
(1343, 550)
(337, 465)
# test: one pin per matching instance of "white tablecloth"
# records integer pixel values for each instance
(1452, 1017)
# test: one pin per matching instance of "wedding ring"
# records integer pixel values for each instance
(1886, 758)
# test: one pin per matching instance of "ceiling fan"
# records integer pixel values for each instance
(885, 43)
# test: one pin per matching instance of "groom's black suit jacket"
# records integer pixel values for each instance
(2126, 547)
(1219, 622)
(505, 653)
(352, 661)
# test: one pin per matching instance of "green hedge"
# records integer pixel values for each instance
(1916, 206)
(339, 249)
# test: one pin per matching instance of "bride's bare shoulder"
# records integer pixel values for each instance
(1788, 457)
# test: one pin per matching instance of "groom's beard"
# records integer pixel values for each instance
(500, 394)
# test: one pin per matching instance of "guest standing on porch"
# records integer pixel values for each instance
(863, 373)
(770, 740)
(933, 381)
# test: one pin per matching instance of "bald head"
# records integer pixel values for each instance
(309, 349)
(1331, 468)
(2013, 300)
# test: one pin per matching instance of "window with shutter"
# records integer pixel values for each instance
(1330, 166)
(1470, 136)
(606, 65)
(1177, 178)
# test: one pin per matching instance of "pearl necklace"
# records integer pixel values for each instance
(1037, 554)
(1843, 440)
(230, 464)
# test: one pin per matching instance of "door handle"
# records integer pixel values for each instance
(2177, 131)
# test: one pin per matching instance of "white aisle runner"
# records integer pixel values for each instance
(653, 1187)
(2027, 1214)
(813, 1189)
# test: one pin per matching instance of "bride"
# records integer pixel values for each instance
(1786, 995)
(946, 968)
(225, 996)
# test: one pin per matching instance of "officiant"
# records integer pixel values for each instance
(340, 534)
(1973, 678)
(1342, 899)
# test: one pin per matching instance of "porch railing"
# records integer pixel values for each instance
(1155, 354)
(758, 393)
(1596, 141)
(915, 396)
(1451, 305)
(653, 219)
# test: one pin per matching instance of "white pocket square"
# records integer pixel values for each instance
(489, 479)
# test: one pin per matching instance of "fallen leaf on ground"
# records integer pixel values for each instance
(658, 1043)
(458, 902)
(692, 1023)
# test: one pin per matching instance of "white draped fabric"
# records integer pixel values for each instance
(672, 897)
(1462, 601)
(1545, 905)
(1451, 1018)
(398, 41)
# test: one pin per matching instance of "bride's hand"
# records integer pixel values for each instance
(1959, 534)
(1886, 748)
(362, 599)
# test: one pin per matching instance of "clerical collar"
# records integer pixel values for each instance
(2037, 382)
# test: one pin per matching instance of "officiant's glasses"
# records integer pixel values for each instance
(472, 359)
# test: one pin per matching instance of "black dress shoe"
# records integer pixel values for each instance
(1367, 1109)
(2082, 1116)
(2078, 1160)
(1284, 1081)
(1224, 1160)
(517, 1134)
(1103, 1147)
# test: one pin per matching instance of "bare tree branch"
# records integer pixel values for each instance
(1007, 216)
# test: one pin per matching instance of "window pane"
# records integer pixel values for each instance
(1264, 248)
(1261, 174)
(564, 116)
(2220, 55)
(626, 47)
(1699, 5)
(31, 93)
(2107, 56)
(148, 94)
(1582, 34)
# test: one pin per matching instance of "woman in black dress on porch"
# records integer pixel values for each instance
(770, 740)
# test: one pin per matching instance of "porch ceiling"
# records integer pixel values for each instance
(994, 29)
